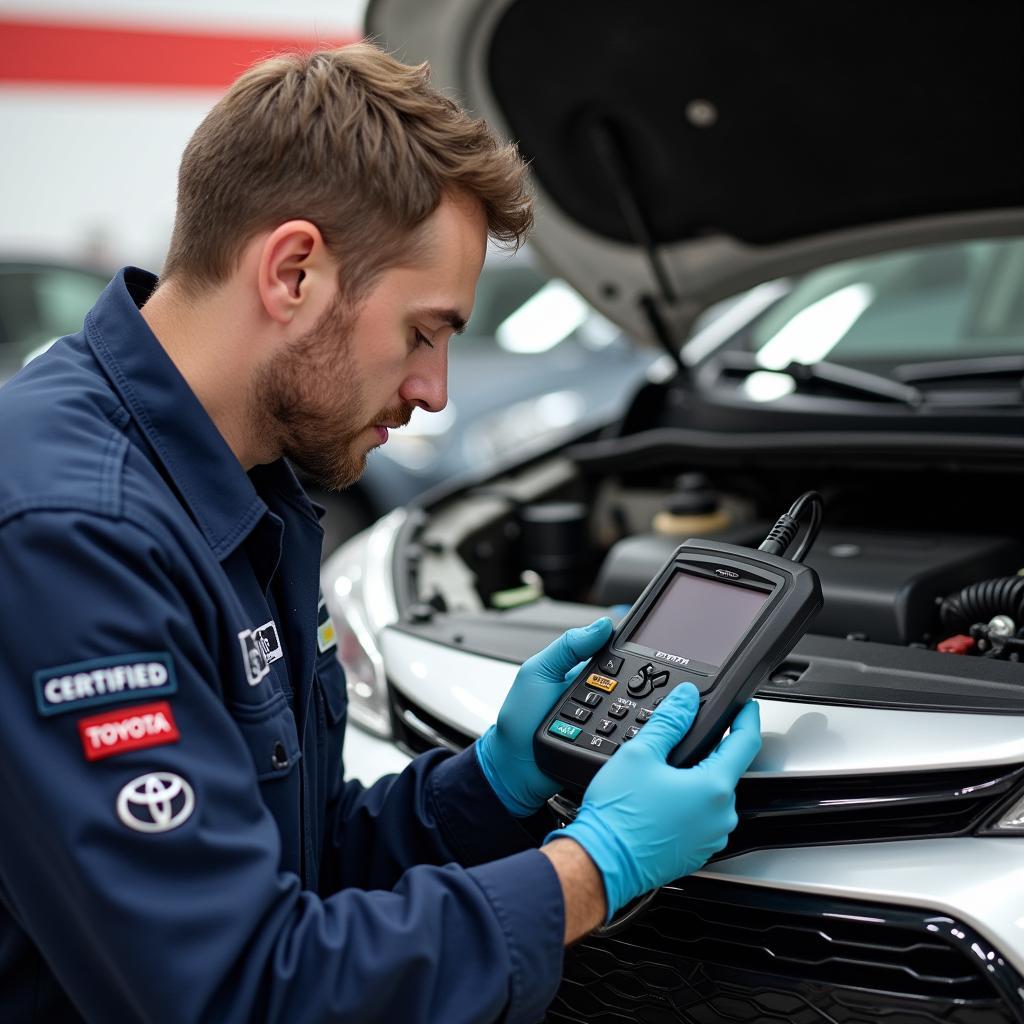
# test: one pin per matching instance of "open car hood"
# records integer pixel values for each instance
(684, 152)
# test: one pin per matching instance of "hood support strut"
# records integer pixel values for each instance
(608, 150)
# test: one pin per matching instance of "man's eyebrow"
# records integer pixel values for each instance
(452, 317)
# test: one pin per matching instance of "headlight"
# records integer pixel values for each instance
(1008, 822)
(358, 589)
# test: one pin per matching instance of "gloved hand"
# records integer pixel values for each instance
(505, 751)
(644, 822)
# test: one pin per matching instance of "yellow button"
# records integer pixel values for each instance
(602, 682)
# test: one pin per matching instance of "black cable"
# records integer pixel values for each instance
(627, 915)
(786, 527)
(815, 500)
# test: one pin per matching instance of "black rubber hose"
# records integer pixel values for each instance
(979, 602)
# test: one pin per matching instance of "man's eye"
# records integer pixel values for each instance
(422, 339)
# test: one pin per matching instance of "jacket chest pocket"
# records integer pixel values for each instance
(270, 733)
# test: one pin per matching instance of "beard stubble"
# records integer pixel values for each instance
(308, 403)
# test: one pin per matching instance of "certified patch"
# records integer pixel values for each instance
(156, 802)
(260, 648)
(117, 732)
(104, 681)
(326, 636)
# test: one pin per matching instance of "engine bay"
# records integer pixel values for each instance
(918, 559)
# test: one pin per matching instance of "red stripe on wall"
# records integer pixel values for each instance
(62, 53)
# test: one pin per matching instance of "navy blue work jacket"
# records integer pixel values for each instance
(177, 842)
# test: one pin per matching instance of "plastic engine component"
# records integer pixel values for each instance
(883, 585)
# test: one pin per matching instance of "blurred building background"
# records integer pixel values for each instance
(97, 101)
(98, 98)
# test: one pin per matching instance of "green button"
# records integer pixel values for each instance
(564, 729)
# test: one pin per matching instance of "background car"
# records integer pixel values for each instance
(40, 301)
(873, 350)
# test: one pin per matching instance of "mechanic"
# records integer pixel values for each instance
(178, 841)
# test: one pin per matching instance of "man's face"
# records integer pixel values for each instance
(334, 393)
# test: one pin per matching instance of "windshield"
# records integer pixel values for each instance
(950, 301)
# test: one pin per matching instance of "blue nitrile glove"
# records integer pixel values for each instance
(644, 822)
(505, 751)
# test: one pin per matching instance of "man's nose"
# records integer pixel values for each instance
(428, 387)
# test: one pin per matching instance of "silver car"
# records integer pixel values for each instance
(848, 196)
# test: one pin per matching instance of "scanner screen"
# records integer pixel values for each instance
(699, 619)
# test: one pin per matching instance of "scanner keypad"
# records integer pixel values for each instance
(630, 705)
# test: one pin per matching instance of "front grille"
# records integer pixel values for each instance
(867, 808)
(708, 952)
(417, 730)
(815, 811)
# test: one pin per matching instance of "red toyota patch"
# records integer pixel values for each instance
(115, 732)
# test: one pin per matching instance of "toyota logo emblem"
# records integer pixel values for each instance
(156, 802)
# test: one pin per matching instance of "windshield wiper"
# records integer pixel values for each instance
(956, 369)
(834, 375)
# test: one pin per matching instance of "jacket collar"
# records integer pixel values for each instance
(212, 483)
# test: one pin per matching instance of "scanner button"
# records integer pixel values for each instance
(639, 686)
(643, 714)
(618, 711)
(611, 665)
(601, 682)
(584, 696)
(605, 726)
(631, 732)
(600, 743)
(564, 730)
(575, 712)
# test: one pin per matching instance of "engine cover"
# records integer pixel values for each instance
(877, 583)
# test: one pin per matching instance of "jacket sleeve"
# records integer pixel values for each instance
(438, 810)
(198, 922)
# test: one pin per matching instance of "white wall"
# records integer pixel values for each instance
(89, 172)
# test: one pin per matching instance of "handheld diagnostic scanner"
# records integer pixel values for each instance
(717, 615)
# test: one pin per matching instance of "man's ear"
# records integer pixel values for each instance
(294, 270)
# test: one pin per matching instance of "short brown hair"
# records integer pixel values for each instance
(350, 139)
